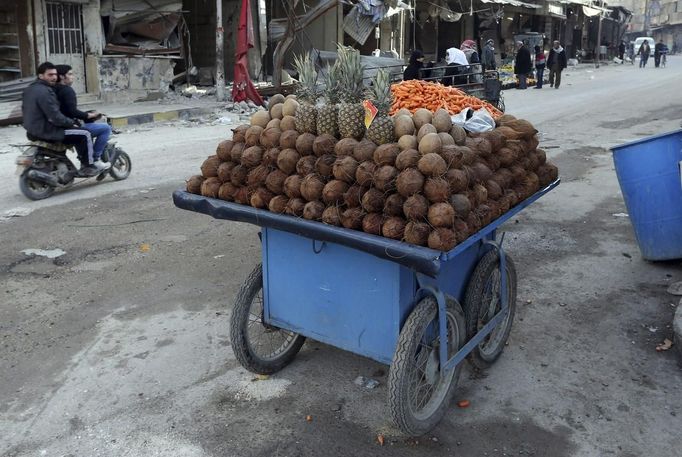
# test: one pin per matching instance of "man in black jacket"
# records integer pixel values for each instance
(556, 62)
(522, 64)
(44, 121)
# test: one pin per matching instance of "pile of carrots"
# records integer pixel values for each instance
(415, 94)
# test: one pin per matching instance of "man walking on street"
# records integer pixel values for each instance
(644, 51)
(556, 62)
(658, 51)
(522, 64)
(488, 60)
(44, 122)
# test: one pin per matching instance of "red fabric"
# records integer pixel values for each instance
(242, 87)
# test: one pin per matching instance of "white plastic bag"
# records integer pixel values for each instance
(474, 121)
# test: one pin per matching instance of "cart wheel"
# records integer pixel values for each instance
(259, 347)
(418, 393)
(482, 302)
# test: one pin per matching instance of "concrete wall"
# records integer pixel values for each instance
(129, 79)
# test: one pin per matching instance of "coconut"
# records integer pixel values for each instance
(226, 191)
(292, 186)
(452, 155)
(304, 144)
(432, 165)
(503, 177)
(324, 165)
(461, 230)
(473, 222)
(364, 175)
(275, 182)
(485, 213)
(457, 180)
(482, 146)
(364, 150)
(289, 107)
(257, 176)
(417, 233)
(403, 125)
(495, 210)
(274, 123)
(532, 181)
(492, 162)
(223, 150)
(437, 190)
(384, 178)
(523, 127)
(441, 215)
(270, 157)
(344, 169)
(260, 118)
(275, 100)
(332, 216)
(394, 205)
(425, 130)
(468, 156)
(461, 204)
(496, 138)
(241, 196)
(372, 222)
(403, 112)
(480, 194)
(420, 117)
(518, 172)
(430, 144)
(494, 189)
(210, 187)
(287, 140)
(324, 144)
(481, 172)
(513, 196)
(446, 139)
(373, 201)
(270, 137)
(345, 147)
(416, 208)
(406, 142)
(252, 136)
(442, 239)
(531, 144)
(287, 160)
(509, 133)
(236, 152)
(306, 165)
(295, 207)
(547, 174)
(311, 188)
(238, 175)
(209, 169)
(313, 210)
(409, 181)
(394, 228)
(507, 156)
(458, 134)
(386, 154)
(288, 123)
(505, 203)
(542, 156)
(194, 184)
(333, 191)
(276, 111)
(252, 156)
(225, 170)
(441, 120)
(261, 198)
(352, 218)
(353, 196)
(239, 133)
(534, 162)
(504, 119)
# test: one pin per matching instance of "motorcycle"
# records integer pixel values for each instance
(44, 167)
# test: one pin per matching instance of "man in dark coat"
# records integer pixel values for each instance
(44, 121)
(644, 51)
(556, 62)
(413, 68)
(522, 64)
(658, 51)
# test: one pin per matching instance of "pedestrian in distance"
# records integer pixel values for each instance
(522, 64)
(658, 52)
(413, 69)
(621, 50)
(488, 59)
(43, 120)
(457, 67)
(68, 104)
(468, 47)
(539, 66)
(644, 51)
(556, 62)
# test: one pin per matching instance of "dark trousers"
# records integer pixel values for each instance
(643, 59)
(540, 70)
(657, 59)
(555, 76)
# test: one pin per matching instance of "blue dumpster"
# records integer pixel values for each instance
(649, 176)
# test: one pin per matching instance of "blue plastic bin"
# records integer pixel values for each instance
(649, 176)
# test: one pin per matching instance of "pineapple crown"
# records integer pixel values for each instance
(306, 89)
(351, 87)
(331, 84)
(380, 91)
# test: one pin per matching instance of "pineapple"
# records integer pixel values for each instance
(380, 130)
(306, 113)
(351, 115)
(326, 114)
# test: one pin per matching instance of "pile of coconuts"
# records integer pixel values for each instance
(434, 186)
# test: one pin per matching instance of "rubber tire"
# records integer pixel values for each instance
(239, 330)
(24, 186)
(117, 175)
(398, 388)
(472, 304)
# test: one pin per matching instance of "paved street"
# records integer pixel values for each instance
(120, 347)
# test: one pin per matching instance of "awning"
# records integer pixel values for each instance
(592, 11)
(513, 3)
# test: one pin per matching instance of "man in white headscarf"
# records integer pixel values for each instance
(457, 64)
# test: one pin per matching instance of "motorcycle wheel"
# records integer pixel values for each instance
(120, 169)
(34, 190)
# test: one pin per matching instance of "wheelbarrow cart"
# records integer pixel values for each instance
(419, 310)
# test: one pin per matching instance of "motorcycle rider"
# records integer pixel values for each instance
(68, 103)
(43, 121)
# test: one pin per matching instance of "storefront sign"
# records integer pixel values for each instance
(556, 10)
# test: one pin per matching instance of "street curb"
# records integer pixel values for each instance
(677, 330)
(160, 116)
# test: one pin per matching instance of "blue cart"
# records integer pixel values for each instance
(418, 310)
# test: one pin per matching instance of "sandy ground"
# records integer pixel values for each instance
(120, 346)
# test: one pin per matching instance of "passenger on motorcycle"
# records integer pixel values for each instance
(68, 103)
(43, 121)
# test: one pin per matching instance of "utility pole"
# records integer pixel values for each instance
(599, 34)
(219, 53)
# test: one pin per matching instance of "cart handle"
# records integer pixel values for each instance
(317, 251)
